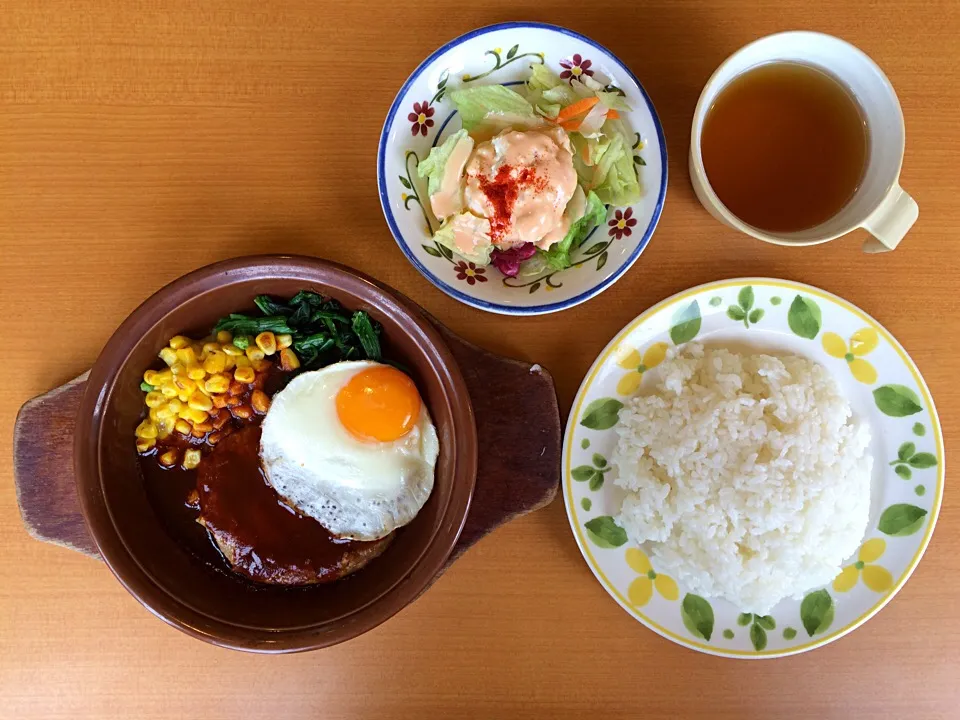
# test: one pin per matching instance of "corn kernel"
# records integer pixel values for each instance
(154, 399)
(164, 412)
(165, 427)
(260, 401)
(175, 405)
(152, 415)
(255, 353)
(191, 458)
(242, 361)
(169, 458)
(179, 341)
(231, 362)
(232, 350)
(244, 375)
(261, 365)
(187, 356)
(210, 347)
(267, 342)
(217, 383)
(221, 420)
(196, 373)
(219, 401)
(169, 390)
(163, 376)
(224, 336)
(289, 360)
(198, 401)
(150, 378)
(145, 445)
(195, 415)
(178, 368)
(182, 427)
(203, 428)
(168, 356)
(185, 383)
(146, 429)
(284, 341)
(215, 362)
(242, 411)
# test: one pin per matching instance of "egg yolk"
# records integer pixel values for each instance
(380, 403)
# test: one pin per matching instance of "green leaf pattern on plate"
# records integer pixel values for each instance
(605, 532)
(697, 616)
(601, 414)
(591, 474)
(897, 400)
(804, 317)
(908, 457)
(901, 519)
(686, 325)
(816, 612)
(744, 311)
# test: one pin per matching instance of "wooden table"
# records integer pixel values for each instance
(140, 140)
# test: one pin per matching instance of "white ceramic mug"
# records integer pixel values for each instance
(880, 205)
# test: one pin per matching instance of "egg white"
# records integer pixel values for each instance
(357, 489)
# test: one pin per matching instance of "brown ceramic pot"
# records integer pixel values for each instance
(216, 605)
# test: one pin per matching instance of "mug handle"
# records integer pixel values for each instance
(891, 221)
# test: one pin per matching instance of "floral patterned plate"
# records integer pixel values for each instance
(421, 117)
(881, 383)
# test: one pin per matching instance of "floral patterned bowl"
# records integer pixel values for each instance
(421, 117)
(882, 385)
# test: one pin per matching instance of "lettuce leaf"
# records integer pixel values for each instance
(477, 228)
(474, 104)
(543, 78)
(433, 165)
(558, 255)
(614, 176)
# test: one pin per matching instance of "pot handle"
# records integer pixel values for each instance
(518, 469)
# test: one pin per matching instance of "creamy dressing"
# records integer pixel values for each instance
(517, 188)
(448, 199)
(538, 211)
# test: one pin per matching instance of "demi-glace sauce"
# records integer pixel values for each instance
(268, 541)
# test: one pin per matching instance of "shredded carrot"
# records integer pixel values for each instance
(572, 125)
(577, 108)
(612, 114)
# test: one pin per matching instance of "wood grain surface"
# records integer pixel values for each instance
(142, 139)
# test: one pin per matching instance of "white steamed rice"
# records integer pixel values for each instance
(747, 476)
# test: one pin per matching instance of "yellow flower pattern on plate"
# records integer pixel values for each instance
(638, 364)
(641, 589)
(863, 341)
(875, 577)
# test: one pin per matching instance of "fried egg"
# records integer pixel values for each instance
(352, 445)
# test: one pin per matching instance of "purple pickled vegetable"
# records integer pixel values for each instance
(508, 261)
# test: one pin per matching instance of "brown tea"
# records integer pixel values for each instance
(784, 147)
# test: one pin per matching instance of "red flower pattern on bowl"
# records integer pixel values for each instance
(421, 118)
(470, 272)
(575, 68)
(621, 223)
